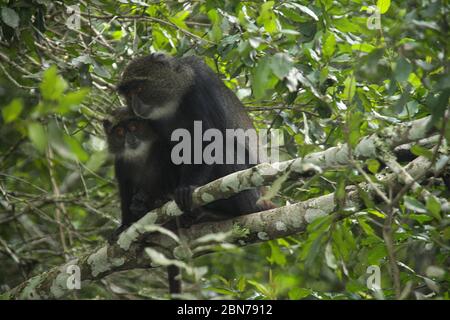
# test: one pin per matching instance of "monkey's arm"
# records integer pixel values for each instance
(126, 195)
(191, 176)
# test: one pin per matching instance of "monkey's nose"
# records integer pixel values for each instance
(132, 142)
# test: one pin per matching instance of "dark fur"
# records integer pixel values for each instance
(146, 182)
(200, 95)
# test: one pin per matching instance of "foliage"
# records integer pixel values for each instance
(320, 71)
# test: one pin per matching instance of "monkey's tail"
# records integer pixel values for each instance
(173, 275)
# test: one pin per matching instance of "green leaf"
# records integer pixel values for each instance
(281, 64)
(96, 160)
(260, 287)
(316, 239)
(402, 70)
(414, 205)
(216, 30)
(159, 37)
(366, 227)
(368, 202)
(376, 213)
(373, 165)
(330, 258)
(72, 101)
(277, 255)
(340, 193)
(434, 207)
(267, 18)
(420, 217)
(38, 136)
(306, 10)
(223, 291)
(376, 254)
(76, 148)
(53, 85)
(82, 59)
(242, 283)
(355, 128)
(383, 5)
(364, 47)
(349, 88)
(345, 25)
(101, 70)
(355, 286)
(299, 293)
(344, 240)
(414, 80)
(178, 19)
(291, 14)
(12, 110)
(10, 17)
(262, 78)
(329, 45)
(421, 151)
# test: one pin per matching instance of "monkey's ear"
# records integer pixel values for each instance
(107, 125)
(160, 57)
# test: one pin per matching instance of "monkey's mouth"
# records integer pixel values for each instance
(132, 145)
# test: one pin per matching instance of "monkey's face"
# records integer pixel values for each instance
(130, 140)
(152, 100)
(154, 86)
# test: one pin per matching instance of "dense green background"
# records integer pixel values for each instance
(310, 68)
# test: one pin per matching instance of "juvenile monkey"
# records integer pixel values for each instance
(142, 165)
(144, 172)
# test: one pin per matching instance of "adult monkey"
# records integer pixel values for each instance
(173, 93)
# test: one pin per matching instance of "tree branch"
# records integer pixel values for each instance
(128, 252)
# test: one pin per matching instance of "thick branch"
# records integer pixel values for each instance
(265, 174)
(260, 226)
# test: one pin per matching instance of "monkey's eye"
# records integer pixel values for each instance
(119, 131)
(132, 127)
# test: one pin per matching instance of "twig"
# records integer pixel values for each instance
(60, 209)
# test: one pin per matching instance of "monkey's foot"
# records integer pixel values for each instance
(114, 236)
(185, 221)
(138, 205)
(183, 197)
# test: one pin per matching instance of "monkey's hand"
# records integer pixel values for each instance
(114, 236)
(183, 197)
(138, 205)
